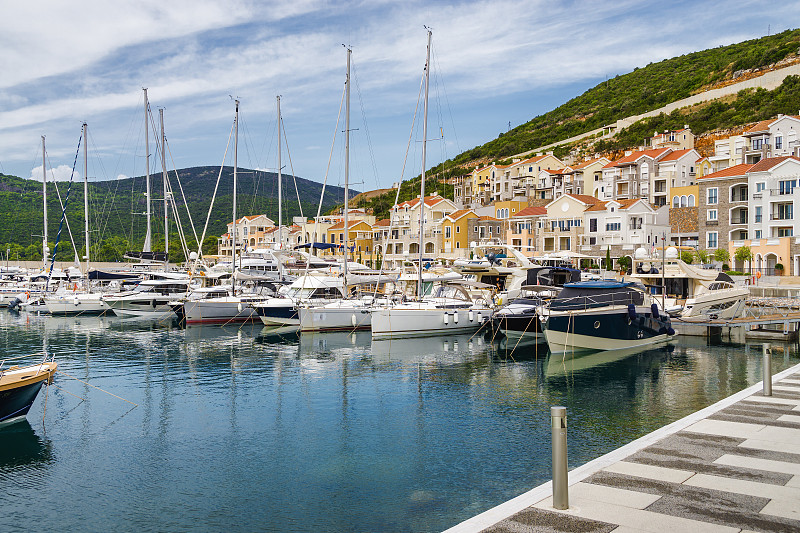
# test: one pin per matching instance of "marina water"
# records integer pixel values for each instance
(246, 429)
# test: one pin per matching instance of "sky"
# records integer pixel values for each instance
(494, 63)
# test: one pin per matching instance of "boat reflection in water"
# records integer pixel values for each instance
(22, 447)
(441, 348)
(565, 364)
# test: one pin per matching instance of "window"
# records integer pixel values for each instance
(760, 186)
(758, 234)
(711, 196)
(757, 143)
(711, 239)
(613, 226)
(758, 213)
(592, 224)
(691, 200)
(676, 201)
(785, 232)
(786, 186)
(711, 214)
(447, 232)
(778, 142)
(785, 212)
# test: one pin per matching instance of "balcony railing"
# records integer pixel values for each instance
(740, 220)
(781, 192)
(779, 216)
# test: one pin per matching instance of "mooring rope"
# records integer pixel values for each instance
(98, 388)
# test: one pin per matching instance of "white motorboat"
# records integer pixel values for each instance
(690, 291)
(76, 303)
(151, 298)
(309, 289)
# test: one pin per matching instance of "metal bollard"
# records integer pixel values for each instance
(558, 417)
(767, 364)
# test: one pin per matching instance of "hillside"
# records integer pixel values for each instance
(116, 209)
(642, 90)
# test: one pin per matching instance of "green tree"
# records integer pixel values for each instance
(210, 245)
(624, 262)
(687, 257)
(744, 254)
(702, 256)
(609, 265)
(722, 255)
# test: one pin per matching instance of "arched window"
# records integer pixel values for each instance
(676, 201)
(691, 200)
(684, 201)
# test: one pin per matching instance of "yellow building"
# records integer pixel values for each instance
(359, 239)
(684, 196)
(455, 233)
(504, 210)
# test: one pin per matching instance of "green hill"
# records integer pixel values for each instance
(644, 89)
(116, 209)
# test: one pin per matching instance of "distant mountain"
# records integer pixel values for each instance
(117, 208)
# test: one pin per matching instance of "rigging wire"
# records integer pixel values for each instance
(214, 196)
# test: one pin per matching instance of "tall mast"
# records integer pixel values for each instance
(146, 247)
(424, 146)
(280, 180)
(235, 168)
(45, 248)
(86, 194)
(164, 178)
(346, 164)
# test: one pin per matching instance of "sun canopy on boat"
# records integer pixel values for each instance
(323, 246)
(161, 257)
(591, 294)
(552, 276)
(103, 275)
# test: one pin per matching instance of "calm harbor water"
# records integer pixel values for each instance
(243, 429)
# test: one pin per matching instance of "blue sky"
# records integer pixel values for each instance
(495, 62)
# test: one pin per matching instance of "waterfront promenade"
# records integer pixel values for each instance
(733, 466)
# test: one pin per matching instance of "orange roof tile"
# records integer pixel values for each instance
(761, 126)
(635, 156)
(770, 162)
(531, 212)
(455, 215)
(674, 156)
(584, 198)
(487, 217)
(383, 222)
(587, 163)
(736, 170)
(599, 206)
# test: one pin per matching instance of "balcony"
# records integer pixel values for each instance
(740, 220)
(781, 192)
(780, 216)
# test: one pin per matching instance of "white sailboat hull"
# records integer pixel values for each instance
(333, 318)
(76, 304)
(218, 311)
(395, 322)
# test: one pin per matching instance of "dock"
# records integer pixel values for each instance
(731, 467)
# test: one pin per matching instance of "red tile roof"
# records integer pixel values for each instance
(531, 212)
(635, 156)
(674, 156)
(585, 198)
(455, 215)
(587, 163)
(383, 222)
(761, 126)
(429, 201)
(736, 170)
(599, 206)
(770, 162)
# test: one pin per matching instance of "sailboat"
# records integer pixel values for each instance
(74, 301)
(208, 306)
(450, 308)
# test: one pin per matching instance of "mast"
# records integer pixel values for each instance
(424, 146)
(235, 167)
(45, 249)
(86, 197)
(146, 247)
(280, 181)
(164, 178)
(346, 165)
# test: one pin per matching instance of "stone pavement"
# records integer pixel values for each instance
(734, 466)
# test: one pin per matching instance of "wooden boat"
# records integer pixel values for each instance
(19, 386)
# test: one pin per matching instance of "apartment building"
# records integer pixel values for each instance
(682, 139)
(402, 243)
(771, 138)
(588, 176)
(252, 231)
(629, 177)
(455, 233)
(499, 183)
(675, 169)
(723, 213)
(561, 228)
(622, 226)
(521, 229)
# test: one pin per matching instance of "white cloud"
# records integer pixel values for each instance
(59, 173)
(122, 177)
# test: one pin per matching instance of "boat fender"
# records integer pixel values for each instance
(353, 319)
(76, 301)
(632, 311)
(455, 317)
(654, 310)
(239, 307)
(670, 332)
(471, 315)
(446, 318)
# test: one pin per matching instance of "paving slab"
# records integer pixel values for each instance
(731, 467)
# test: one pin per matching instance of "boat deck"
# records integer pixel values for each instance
(734, 466)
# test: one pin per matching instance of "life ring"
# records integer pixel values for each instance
(758, 274)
